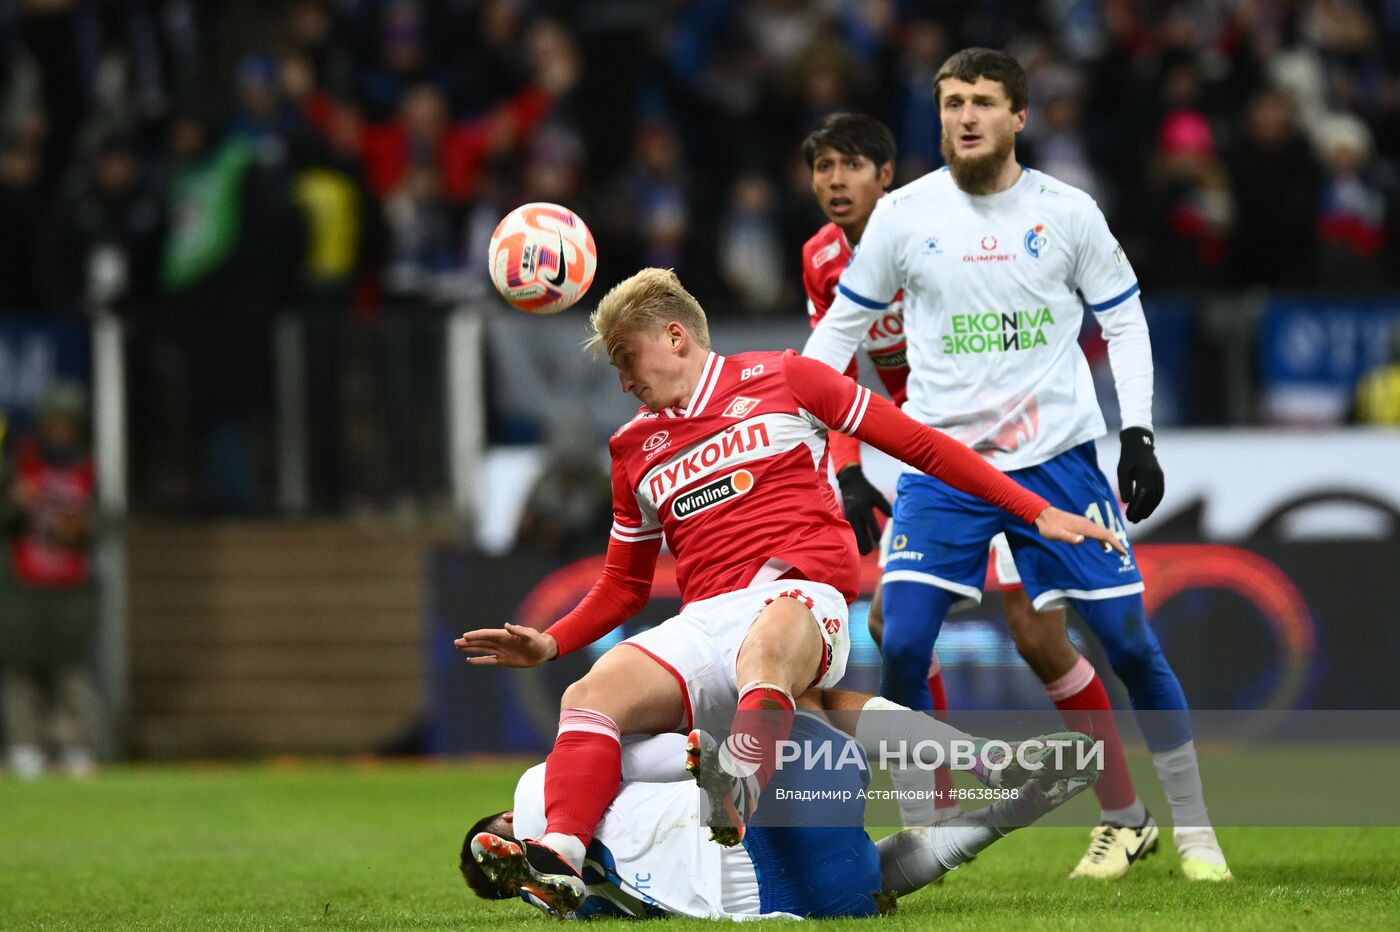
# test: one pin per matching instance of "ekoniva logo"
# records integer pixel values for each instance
(1037, 240)
(712, 493)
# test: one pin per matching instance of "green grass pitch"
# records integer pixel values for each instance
(374, 846)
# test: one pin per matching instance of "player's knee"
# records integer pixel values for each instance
(578, 695)
(1039, 655)
(907, 653)
(784, 624)
(913, 614)
(876, 627)
(875, 624)
(1132, 648)
(1152, 686)
(1032, 641)
(783, 646)
(1039, 638)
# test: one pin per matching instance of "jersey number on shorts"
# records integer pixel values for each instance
(1094, 514)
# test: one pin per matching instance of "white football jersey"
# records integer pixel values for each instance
(992, 308)
(661, 847)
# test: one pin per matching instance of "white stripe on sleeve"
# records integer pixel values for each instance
(631, 535)
(857, 410)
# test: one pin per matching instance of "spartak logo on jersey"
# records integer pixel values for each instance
(712, 494)
(740, 407)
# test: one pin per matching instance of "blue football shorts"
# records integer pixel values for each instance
(939, 535)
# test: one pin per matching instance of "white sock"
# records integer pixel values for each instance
(891, 726)
(915, 788)
(916, 857)
(568, 847)
(1180, 774)
(1129, 816)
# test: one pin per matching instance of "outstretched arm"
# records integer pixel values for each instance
(888, 429)
(852, 409)
(619, 593)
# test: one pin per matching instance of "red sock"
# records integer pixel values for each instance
(764, 718)
(1084, 706)
(942, 777)
(582, 773)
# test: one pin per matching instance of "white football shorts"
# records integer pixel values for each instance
(700, 646)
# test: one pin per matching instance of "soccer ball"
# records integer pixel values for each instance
(542, 258)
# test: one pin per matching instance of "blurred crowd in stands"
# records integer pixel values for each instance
(237, 156)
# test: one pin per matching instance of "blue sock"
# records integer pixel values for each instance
(1121, 626)
(914, 612)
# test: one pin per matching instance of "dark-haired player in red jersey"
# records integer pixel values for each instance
(727, 461)
(851, 157)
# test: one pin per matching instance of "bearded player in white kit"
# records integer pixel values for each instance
(996, 262)
(852, 158)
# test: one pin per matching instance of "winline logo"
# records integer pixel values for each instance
(713, 493)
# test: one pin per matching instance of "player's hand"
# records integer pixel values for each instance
(1140, 480)
(511, 646)
(1054, 524)
(860, 499)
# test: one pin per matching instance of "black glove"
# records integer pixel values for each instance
(1140, 480)
(859, 499)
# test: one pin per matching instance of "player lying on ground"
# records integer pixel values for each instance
(852, 160)
(650, 856)
(727, 459)
(996, 263)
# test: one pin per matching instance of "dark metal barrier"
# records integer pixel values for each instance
(299, 414)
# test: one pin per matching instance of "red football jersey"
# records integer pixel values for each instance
(824, 257)
(736, 482)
